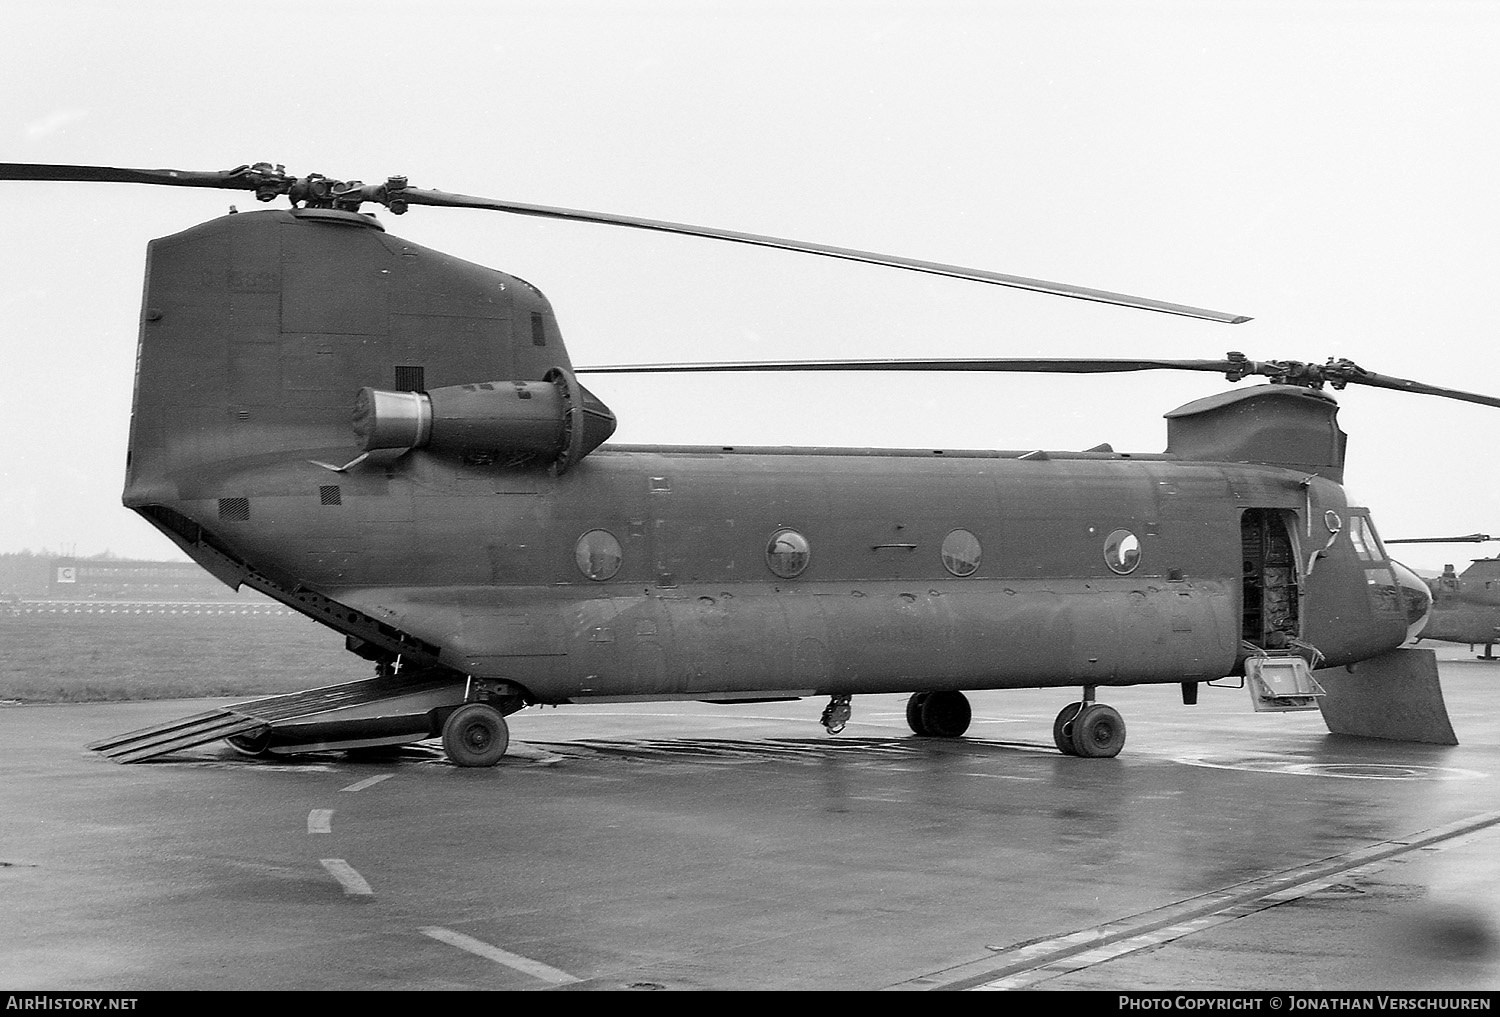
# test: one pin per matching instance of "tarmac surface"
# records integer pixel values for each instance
(692, 846)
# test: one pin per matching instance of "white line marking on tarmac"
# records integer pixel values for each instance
(367, 782)
(341, 870)
(482, 949)
(320, 821)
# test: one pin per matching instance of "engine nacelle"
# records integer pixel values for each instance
(555, 421)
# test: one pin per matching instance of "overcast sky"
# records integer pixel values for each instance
(1327, 168)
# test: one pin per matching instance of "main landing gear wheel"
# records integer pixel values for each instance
(1062, 729)
(1098, 732)
(475, 735)
(939, 714)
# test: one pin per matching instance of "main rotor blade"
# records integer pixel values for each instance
(419, 196)
(268, 181)
(1472, 538)
(1235, 367)
(234, 179)
(1052, 365)
(1359, 376)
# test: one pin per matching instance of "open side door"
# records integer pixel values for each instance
(1279, 677)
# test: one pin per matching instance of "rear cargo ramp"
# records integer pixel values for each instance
(199, 729)
(352, 703)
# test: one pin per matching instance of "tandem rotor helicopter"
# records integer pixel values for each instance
(1466, 606)
(472, 536)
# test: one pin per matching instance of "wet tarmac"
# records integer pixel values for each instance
(690, 846)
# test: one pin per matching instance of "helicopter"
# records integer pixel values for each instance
(1466, 606)
(472, 534)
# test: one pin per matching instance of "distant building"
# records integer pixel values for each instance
(73, 585)
(119, 579)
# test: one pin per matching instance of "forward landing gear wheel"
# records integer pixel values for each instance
(1098, 732)
(945, 714)
(475, 735)
(1062, 729)
(256, 743)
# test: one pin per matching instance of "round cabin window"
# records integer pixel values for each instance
(961, 553)
(598, 555)
(1122, 551)
(787, 553)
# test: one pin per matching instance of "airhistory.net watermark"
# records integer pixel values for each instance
(53, 1001)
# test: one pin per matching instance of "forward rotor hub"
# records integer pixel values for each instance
(318, 191)
(1337, 373)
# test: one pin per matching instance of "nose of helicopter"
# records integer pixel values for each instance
(1416, 599)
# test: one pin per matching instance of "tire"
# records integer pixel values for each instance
(1098, 732)
(1062, 729)
(914, 712)
(946, 714)
(475, 735)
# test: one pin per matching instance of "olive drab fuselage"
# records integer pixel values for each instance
(1466, 607)
(516, 547)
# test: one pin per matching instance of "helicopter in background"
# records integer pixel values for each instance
(1465, 606)
(475, 539)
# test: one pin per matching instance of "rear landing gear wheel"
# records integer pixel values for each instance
(945, 714)
(475, 735)
(1098, 732)
(1062, 729)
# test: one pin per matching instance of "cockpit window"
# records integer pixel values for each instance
(1366, 543)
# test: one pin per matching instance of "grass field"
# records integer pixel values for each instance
(77, 658)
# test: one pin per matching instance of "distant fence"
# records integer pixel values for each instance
(119, 607)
